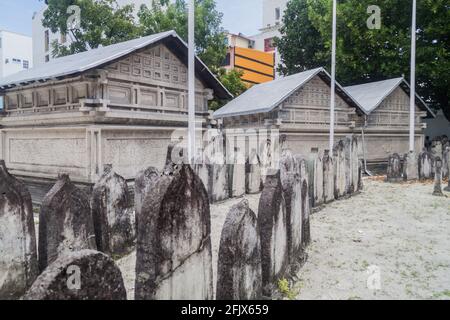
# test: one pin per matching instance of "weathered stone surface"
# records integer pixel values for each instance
(65, 222)
(220, 189)
(18, 254)
(239, 262)
(112, 214)
(348, 164)
(328, 177)
(446, 162)
(410, 166)
(173, 239)
(253, 178)
(318, 181)
(306, 203)
(355, 163)
(436, 149)
(142, 183)
(310, 163)
(394, 169)
(448, 168)
(360, 176)
(426, 165)
(438, 178)
(339, 170)
(292, 193)
(237, 176)
(272, 228)
(80, 275)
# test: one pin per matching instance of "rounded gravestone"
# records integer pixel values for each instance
(80, 275)
(65, 222)
(112, 213)
(18, 255)
(173, 258)
(272, 227)
(239, 262)
(394, 169)
(328, 177)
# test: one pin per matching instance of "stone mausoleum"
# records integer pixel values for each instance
(113, 105)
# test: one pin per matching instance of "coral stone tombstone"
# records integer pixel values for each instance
(448, 168)
(446, 163)
(411, 166)
(360, 176)
(112, 214)
(237, 176)
(173, 258)
(239, 262)
(394, 169)
(436, 149)
(141, 185)
(306, 203)
(272, 228)
(65, 222)
(292, 193)
(220, 189)
(355, 164)
(80, 275)
(253, 178)
(348, 165)
(318, 181)
(310, 162)
(18, 254)
(328, 177)
(438, 178)
(425, 165)
(339, 170)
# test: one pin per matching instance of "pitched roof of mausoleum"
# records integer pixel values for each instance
(73, 65)
(371, 95)
(267, 96)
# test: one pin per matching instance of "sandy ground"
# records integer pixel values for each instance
(400, 230)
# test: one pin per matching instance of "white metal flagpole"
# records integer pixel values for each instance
(191, 81)
(333, 77)
(412, 103)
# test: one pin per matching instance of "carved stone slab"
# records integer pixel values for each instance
(253, 178)
(438, 178)
(112, 213)
(173, 238)
(80, 275)
(18, 254)
(239, 263)
(328, 177)
(339, 170)
(394, 169)
(426, 165)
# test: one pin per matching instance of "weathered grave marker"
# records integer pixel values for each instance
(272, 228)
(239, 262)
(328, 177)
(394, 169)
(253, 178)
(355, 164)
(173, 259)
(411, 166)
(339, 170)
(65, 222)
(438, 178)
(426, 166)
(112, 214)
(18, 254)
(80, 275)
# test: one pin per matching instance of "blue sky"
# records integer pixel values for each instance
(239, 15)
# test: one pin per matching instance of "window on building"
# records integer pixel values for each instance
(14, 60)
(277, 14)
(47, 40)
(251, 44)
(227, 60)
(6, 61)
(47, 58)
(268, 45)
(63, 38)
(26, 64)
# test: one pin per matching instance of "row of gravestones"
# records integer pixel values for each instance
(172, 226)
(426, 166)
(335, 176)
(72, 227)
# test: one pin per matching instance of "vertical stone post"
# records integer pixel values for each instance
(438, 178)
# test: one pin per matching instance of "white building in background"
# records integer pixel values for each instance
(273, 12)
(43, 37)
(15, 53)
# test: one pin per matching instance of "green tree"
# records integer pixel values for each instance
(102, 23)
(232, 81)
(164, 15)
(365, 55)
